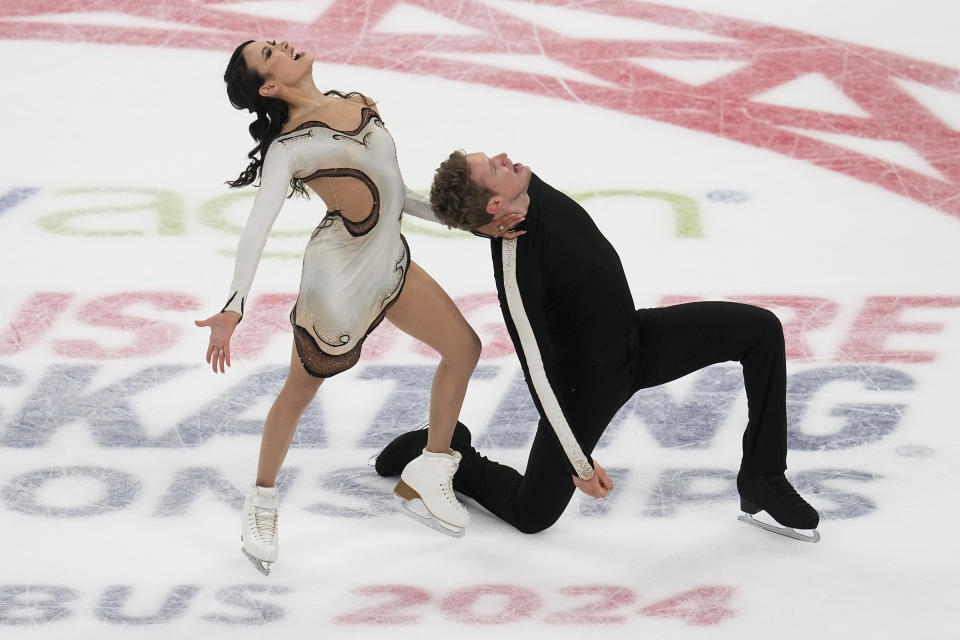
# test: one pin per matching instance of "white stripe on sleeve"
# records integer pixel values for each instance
(538, 375)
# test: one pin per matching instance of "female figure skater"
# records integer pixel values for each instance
(356, 270)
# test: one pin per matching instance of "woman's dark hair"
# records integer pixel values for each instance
(243, 89)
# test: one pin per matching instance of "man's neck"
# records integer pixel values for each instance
(520, 204)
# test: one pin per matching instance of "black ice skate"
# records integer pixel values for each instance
(391, 460)
(775, 495)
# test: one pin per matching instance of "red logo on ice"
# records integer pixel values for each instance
(880, 87)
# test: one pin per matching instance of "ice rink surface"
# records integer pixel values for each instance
(800, 156)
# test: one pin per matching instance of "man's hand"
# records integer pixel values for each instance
(598, 486)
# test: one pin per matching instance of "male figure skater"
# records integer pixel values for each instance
(585, 350)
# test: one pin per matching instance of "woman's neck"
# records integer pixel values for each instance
(304, 99)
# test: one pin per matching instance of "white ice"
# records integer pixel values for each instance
(116, 232)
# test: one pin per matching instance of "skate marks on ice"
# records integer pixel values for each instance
(37, 606)
(865, 406)
(78, 327)
(352, 493)
(864, 424)
(163, 217)
(588, 604)
(871, 407)
(780, 99)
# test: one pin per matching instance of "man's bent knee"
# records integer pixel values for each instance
(763, 319)
(536, 523)
(771, 324)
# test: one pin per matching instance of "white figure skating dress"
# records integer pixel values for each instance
(352, 271)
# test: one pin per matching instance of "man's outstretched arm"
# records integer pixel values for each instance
(524, 289)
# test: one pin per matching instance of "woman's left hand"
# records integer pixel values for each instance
(503, 227)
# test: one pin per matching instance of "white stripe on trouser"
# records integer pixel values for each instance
(541, 386)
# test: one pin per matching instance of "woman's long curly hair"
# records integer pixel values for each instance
(243, 89)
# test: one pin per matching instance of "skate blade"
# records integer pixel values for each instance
(262, 567)
(417, 511)
(783, 531)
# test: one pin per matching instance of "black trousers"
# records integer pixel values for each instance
(665, 344)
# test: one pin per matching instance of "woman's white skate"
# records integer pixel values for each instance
(258, 528)
(425, 493)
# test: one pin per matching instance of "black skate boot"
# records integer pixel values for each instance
(774, 494)
(405, 447)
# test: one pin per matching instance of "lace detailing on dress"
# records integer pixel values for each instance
(354, 228)
(362, 142)
(299, 136)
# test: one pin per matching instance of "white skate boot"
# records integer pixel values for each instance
(425, 493)
(258, 527)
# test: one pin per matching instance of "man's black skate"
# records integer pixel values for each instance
(774, 494)
(405, 447)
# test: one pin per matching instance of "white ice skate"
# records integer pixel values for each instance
(813, 536)
(425, 493)
(258, 528)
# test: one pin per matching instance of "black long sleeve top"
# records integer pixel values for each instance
(565, 302)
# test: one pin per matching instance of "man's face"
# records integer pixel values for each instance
(507, 180)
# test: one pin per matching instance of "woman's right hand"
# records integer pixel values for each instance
(502, 228)
(221, 326)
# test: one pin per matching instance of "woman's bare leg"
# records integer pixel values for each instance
(297, 393)
(425, 312)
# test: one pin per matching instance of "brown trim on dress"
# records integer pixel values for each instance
(366, 225)
(320, 364)
(366, 115)
(242, 301)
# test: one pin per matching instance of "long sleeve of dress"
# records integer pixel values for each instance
(274, 183)
(417, 205)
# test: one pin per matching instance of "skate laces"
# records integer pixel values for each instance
(264, 521)
(784, 489)
(446, 487)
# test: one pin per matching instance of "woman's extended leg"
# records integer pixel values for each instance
(425, 312)
(297, 393)
(258, 520)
